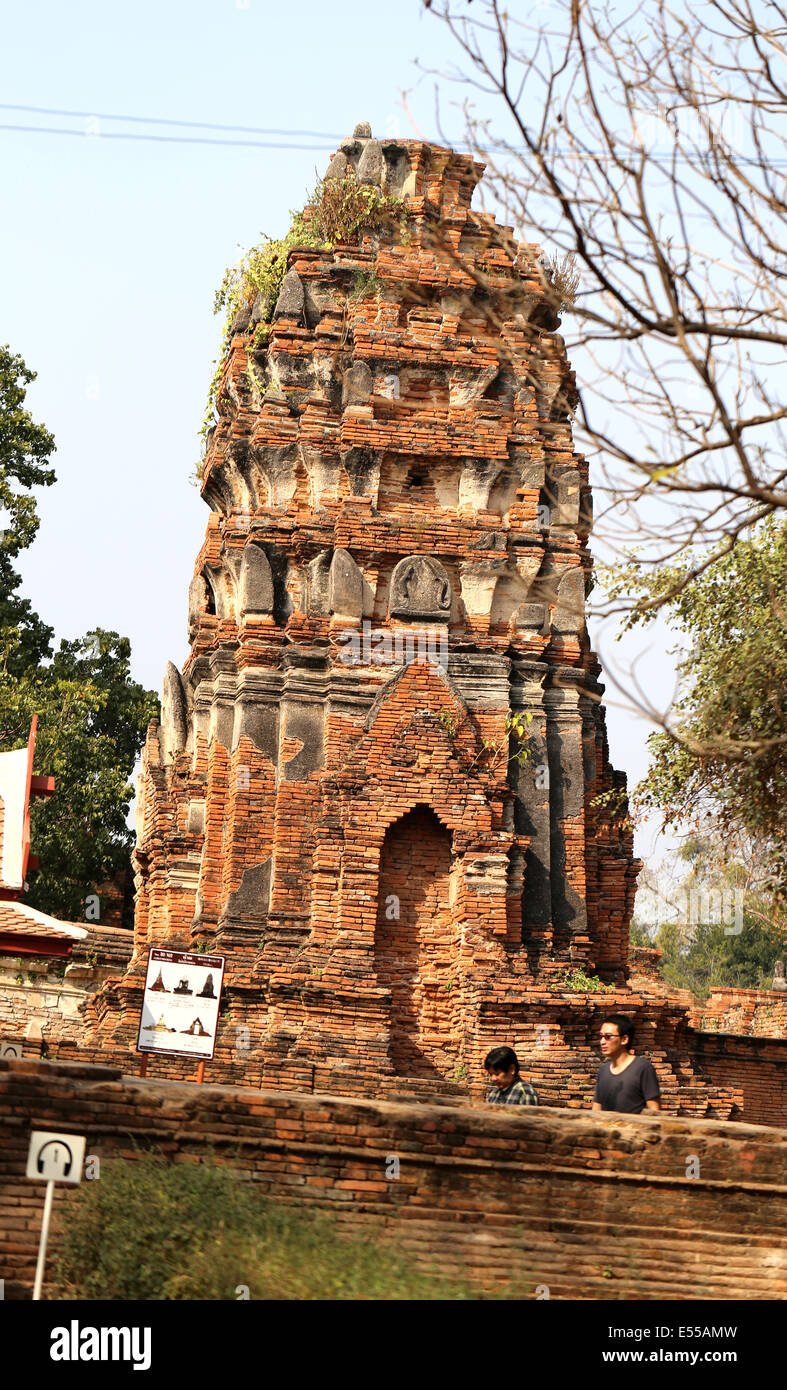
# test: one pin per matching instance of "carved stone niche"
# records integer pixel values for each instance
(420, 588)
(198, 604)
(173, 729)
(256, 581)
(564, 498)
(569, 616)
(345, 585)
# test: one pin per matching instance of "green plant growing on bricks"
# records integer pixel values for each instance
(447, 720)
(578, 981)
(495, 751)
(338, 211)
(366, 284)
(516, 733)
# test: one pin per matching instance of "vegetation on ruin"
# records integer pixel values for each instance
(337, 211)
(562, 279)
(366, 284)
(92, 715)
(578, 981)
(511, 748)
(151, 1229)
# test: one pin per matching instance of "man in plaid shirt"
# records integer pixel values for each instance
(507, 1087)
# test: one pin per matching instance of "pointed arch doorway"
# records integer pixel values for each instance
(416, 946)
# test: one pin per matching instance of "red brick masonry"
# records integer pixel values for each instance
(588, 1205)
(395, 888)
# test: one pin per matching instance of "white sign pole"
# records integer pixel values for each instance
(52, 1158)
(50, 1192)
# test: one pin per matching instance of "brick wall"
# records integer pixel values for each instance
(754, 1067)
(595, 1206)
(760, 1013)
(41, 996)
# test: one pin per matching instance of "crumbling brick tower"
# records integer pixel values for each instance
(395, 855)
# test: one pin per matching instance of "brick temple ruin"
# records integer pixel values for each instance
(378, 785)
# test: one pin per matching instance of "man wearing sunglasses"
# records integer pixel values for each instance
(625, 1082)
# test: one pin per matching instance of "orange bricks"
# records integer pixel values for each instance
(375, 787)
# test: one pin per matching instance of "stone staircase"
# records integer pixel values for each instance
(684, 1091)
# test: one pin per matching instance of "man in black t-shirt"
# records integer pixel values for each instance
(625, 1082)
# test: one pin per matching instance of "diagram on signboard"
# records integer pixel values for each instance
(160, 1027)
(180, 1006)
(197, 1029)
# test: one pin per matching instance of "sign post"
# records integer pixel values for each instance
(180, 1006)
(52, 1158)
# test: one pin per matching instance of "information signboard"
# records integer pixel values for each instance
(180, 1006)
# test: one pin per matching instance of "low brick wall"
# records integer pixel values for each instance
(588, 1205)
(760, 1013)
(754, 1067)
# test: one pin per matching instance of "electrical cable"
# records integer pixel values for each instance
(163, 139)
(292, 140)
(166, 120)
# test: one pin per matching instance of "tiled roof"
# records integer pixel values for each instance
(17, 919)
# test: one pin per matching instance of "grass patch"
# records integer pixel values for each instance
(152, 1229)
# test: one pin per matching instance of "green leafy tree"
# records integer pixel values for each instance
(723, 751)
(25, 450)
(709, 959)
(701, 952)
(92, 715)
(92, 722)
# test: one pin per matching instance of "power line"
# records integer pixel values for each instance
(166, 120)
(292, 140)
(164, 139)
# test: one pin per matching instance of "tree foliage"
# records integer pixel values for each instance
(710, 959)
(723, 749)
(720, 922)
(25, 450)
(92, 722)
(92, 715)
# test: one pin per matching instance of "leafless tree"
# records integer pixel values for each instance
(644, 147)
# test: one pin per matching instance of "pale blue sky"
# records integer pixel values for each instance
(112, 250)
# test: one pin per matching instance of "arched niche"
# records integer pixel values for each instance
(420, 588)
(416, 945)
(256, 581)
(503, 492)
(511, 591)
(223, 588)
